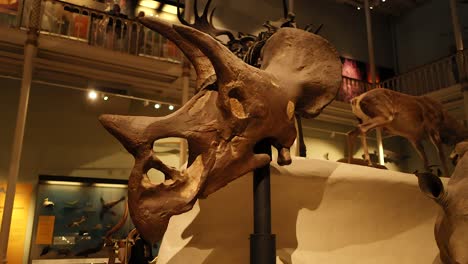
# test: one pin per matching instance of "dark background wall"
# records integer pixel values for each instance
(425, 34)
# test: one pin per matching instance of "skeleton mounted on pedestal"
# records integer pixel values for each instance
(235, 107)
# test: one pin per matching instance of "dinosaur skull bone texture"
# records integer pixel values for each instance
(451, 226)
(235, 107)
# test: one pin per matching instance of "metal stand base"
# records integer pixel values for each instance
(262, 242)
(262, 249)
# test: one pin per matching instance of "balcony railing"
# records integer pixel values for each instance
(422, 80)
(350, 88)
(428, 78)
(100, 29)
(97, 28)
(465, 62)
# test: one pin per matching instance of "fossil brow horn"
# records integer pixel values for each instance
(225, 63)
(200, 62)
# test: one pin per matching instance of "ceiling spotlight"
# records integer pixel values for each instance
(92, 95)
(358, 8)
(171, 107)
(383, 0)
(157, 106)
(371, 7)
(106, 98)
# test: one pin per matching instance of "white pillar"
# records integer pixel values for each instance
(291, 6)
(456, 25)
(30, 51)
(461, 64)
(370, 41)
(378, 133)
(185, 88)
(370, 46)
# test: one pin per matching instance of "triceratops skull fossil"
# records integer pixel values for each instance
(235, 107)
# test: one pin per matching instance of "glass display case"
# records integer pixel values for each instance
(79, 218)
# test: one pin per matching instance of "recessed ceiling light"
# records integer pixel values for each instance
(92, 95)
(157, 106)
(106, 98)
(358, 8)
(171, 107)
(371, 7)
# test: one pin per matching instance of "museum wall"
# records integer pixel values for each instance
(425, 34)
(322, 212)
(63, 135)
(344, 26)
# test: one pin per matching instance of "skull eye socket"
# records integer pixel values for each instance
(155, 176)
(161, 167)
(236, 93)
(235, 102)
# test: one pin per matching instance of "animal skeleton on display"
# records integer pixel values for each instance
(235, 107)
(414, 117)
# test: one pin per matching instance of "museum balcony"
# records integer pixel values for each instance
(75, 31)
(78, 49)
(442, 80)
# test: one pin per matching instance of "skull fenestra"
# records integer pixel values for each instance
(235, 107)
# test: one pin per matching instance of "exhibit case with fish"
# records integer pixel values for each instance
(79, 218)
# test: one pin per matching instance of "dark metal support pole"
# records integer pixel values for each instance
(262, 241)
(300, 138)
(285, 9)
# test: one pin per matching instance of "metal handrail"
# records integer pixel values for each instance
(440, 74)
(465, 63)
(352, 87)
(431, 77)
(104, 30)
(98, 28)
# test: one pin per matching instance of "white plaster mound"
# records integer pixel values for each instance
(323, 212)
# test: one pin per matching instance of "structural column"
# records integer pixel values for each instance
(461, 64)
(30, 50)
(370, 46)
(456, 25)
(291, 6)
(185, 87)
